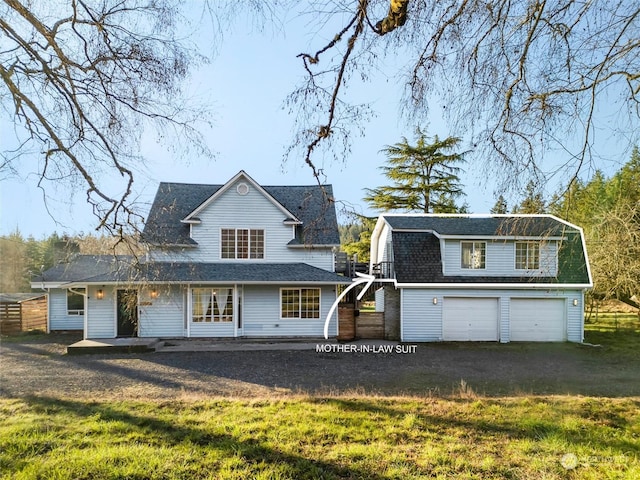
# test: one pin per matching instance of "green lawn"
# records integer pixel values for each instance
(619, 333)
(330, 438)
(461, 436)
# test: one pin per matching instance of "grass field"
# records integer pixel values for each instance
(460, 436)
(330, 438)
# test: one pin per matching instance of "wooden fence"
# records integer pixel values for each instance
(370, 325)
(23, 315)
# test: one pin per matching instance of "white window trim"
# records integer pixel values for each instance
(473, 242)
(300, 304)
(190, 319)
(515, 255)
(77, 312)
(248, 259)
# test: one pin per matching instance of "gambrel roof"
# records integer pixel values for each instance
(417, 242)
(309, 207)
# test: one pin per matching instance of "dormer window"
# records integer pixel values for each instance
(242, 243)
(527, 255)
(474, 255)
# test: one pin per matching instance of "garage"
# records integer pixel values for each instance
(470, 319)
(537, 320)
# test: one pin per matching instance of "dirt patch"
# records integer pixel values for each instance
(40, 367)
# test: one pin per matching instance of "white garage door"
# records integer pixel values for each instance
(474, 319)
(537, 320)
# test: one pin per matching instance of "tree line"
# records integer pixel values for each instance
(23, 258)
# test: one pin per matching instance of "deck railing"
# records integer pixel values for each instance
(383, 270)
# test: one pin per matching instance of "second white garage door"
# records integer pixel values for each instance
(470, 319)
(537, 320)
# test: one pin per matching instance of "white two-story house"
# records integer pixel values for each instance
(228, 260)
(480, 277)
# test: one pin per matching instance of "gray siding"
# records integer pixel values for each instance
(58, 318)
(212, 329)
(261, 314)
(101, 314)
(575, 316)
(500, 259)
(162, 316)
(422, 320)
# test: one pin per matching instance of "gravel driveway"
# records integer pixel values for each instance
(39, 366)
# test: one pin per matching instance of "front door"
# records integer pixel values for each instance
(127, 305)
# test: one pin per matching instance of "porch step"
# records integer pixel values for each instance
(114, 345)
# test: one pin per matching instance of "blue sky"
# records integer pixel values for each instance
(246, 85)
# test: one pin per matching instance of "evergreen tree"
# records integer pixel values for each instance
(500, 206)
(533, 201)
(424, 176)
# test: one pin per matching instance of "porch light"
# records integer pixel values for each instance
(100, 294)
(575, 302)
(435, 300)
(154, 293)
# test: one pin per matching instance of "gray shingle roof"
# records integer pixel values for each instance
(83, 268)
(481, 226)
(174, 201)
(194, 272)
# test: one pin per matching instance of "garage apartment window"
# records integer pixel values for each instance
(242, 243)
(300, 302)
(75, 301)
(527, 255)
(212, 304)
(474, 255)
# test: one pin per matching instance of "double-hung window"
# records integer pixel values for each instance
(527, 255)
(242, 243)
(300, 302)
(474, 255)
(75, 302)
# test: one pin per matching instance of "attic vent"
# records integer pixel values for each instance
(242, 188)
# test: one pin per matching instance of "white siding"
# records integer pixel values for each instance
(421, 320)
(101, 313)
(261, 314)
(58, 318)
(500, 259)
(162, 316)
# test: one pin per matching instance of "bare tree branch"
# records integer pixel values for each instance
(84, 81)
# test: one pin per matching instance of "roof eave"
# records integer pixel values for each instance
(519, 286)
(313, 245)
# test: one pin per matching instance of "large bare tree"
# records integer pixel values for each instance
(81, 82)
(517, 78)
